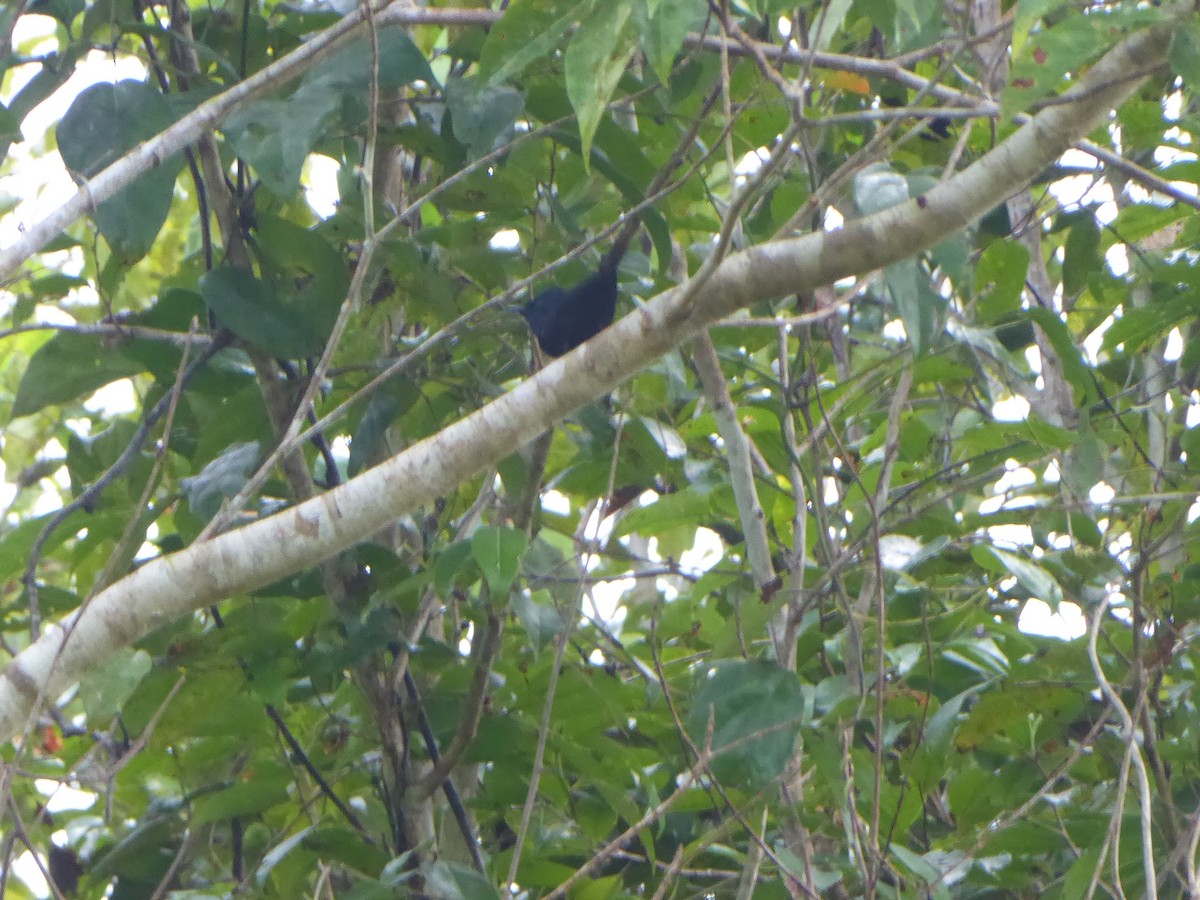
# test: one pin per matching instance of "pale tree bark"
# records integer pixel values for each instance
(238, 562)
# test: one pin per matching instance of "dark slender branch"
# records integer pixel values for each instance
(325, 786)
(317, 438)
(452, 798)
(237, 840)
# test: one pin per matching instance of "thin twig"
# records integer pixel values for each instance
(1133, 753)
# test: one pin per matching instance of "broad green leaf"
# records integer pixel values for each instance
(542, 622)
(106, 689)
(1081, 253)
(252, 310)
(451, 564)
(221, 479)
(483, 115)
(1034, 578)
(1185, 53)
(55, 69)
(1068, 354)
(684, 507)
(264, 786)
(1050, 55)
(307, 273)
(368, 445)
(349, 71)
(879, 187)
(663, 31)
(1011, 713)
(498, 552)
(276, 136)
(528, 31)
(827, 23)
(106, 121)
(1143, 326)
(755, 709)
(64, 11)
(279, 852)
(70, 366)
(666, 437)
(951, 256)
(1000, 278)
(1082, 465)
(1082, 872)
(456, 882)
(903, 280)
(914, 863)
(594, 62)
(1028, 13)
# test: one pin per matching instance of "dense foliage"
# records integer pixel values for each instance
(757, 623)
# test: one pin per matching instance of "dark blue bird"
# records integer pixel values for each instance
(563, 318)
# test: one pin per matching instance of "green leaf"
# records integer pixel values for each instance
(528, 31)
(455, 882)
(686, 507)
(1069, 358)
(1009, 713)
(253, 311)
(276, 136)
(755, 708)
(221, 479)
(498, 552)
(914, 863)
(1042, 68)
(879, 187)
(594, 62)
(666, 437)
(451, 564)
(1000, 278)
(663, 32)
(1189, 442)
(369, 445)
(483, 115)
(903, 281)
(827, 24)
(53, 74)
(106, 121)
(1028, 13)
(1143, 326)
(105, 690)
(1082, 872)
(400, 63)
(541, 620)
(1083, 465)
(278, 853)
(1034, 578)
(1185, 52)
(306, 271)
(1081, 253)
(69, 366)
(266, 785)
